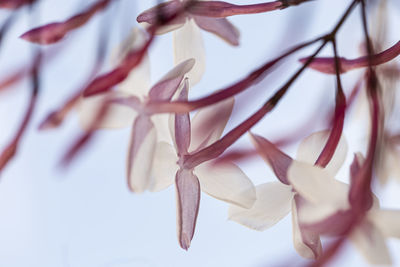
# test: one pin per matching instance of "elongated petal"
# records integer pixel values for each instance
(272, 204)
(327, 64)
(306, 242)
(371, 243)
(54, 32)
(182, 125)
(209, 123)
(220, 9)
(118, 116)
(138, 80)
(388, 221)
(167, 86)
(226, 182)
(311, 147)
(220, 27)
(317, 185)
(188, 200)
(140, 154)
(164, 166)
(278, 160)
(188, 43)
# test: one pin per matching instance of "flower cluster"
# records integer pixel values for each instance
(169, 145)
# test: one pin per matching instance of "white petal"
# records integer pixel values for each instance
(138, 81)
(140, 154)
(118, 116)
(272, 204)
(306, 243)
(388, 221)
(371, 243)
(164, 166)
(226, 182)
(188, 43)
(317, 185)
(209, 123)
(161, 123)
(311, 147)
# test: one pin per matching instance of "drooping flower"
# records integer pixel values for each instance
(187, 39)
(225, 182)
(129, 109)
(276, 199)
(328, 211)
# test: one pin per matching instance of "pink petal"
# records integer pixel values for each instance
(188, 200)
(167, 86)
(306, 241)
(182, 125)
(278, 160)
(388, 221)
(209, 123)
(54, 32)
(140, 154)
(220, 9)
(220, 27)
(327, 64)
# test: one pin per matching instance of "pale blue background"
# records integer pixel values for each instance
(86, 217)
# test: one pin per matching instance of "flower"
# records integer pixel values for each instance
(328, 211)
(276, 199)
(129, 108)
(187, 39)
(225, 182)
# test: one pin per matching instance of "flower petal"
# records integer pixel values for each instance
(318, 186)
(278, 160)
(311, 147)
(272, 204)
(188, 200)
(164, 166)
(209, 123)
(226, 182)
(182, 124)
(371, 244)
(140, 154)
(167, 86)
(138, 80)
(188, 43)
(388, 221)
(118, 116)
(306, 242)
(221, 27)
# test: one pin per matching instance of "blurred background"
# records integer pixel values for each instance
(84, 215)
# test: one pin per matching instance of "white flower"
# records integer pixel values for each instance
(222, 181)
(129, 109)
(187, 39)
(276, 199)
